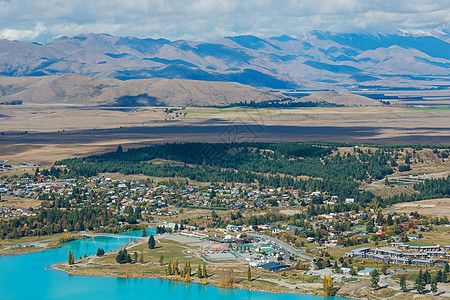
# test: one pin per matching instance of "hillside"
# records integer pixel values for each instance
(315, 60)
(340, 98)
(79, 90)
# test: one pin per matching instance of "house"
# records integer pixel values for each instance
(274, 266)
(422, 262)
(346, 270)
(366, 272)
(349, 200)
(436, 253)
(358, 253)
(400, 261)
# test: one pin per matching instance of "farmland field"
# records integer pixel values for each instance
(41, 134)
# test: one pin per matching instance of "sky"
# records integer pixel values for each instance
(209, 20)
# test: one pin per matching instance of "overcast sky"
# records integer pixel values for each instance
(208, 20)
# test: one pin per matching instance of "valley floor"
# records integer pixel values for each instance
(40, 134)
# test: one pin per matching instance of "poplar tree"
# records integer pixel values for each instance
(144, 232)
(204, 272)
(328, 285)
(71, 260)
(249, 274)
(199, 271)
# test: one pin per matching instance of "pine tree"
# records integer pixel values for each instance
(141, 257)
(434, 286)
(426, 277)
(249, 273)
(419, 283)
(375, 279)
(151, 242)
(135, 256)
(402, 283)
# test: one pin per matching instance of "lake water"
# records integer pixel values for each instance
(29, 277)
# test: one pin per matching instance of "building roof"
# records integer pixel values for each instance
(366, 271)
(274, 266)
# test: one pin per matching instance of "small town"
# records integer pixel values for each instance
(271, 230)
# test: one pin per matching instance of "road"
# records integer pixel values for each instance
(284, 246)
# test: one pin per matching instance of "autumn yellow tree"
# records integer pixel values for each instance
(328, 285)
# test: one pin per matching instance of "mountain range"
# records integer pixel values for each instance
(69, 89)
(315, 60)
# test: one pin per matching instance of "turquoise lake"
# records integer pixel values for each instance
(29, 277)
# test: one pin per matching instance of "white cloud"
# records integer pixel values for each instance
(24, 34)
(211, 19)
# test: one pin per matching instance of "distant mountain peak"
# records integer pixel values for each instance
(312, 60)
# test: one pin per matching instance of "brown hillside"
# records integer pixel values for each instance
(340, 98)
(79, 90)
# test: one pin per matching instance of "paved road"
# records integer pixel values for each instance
(284, 246)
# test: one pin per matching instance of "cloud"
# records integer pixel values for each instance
(211, 19)
(22, 34)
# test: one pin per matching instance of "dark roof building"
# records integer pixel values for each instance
(274, 266)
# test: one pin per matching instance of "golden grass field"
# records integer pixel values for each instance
(435, 207)
(42, 134)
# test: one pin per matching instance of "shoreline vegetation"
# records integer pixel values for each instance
(322, 199)
(224, 274)
(235, 274)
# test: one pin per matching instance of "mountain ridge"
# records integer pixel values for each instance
(307, 61)
(80, 90)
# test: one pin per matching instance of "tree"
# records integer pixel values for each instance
(402, 283)
(141, 257)
(71, 259)
(419, 283)
(100, 252)
(144, 232)
(161, 260)
(123, 257)
(384, 269)
(319, 263)
(434, 286)
(119, 149)
(386, 182)
(204, 272)
(328, 285)
(151, 242)
(249, 273)
(375, 279)
(199, 271)
(135, 256)
(426, 277)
